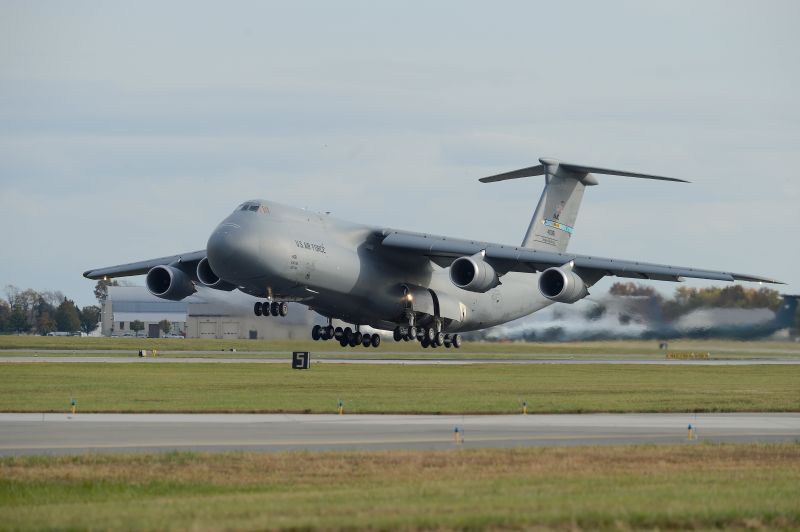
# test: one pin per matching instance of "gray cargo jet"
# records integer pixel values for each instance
(424, 287)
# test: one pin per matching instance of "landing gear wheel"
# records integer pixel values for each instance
(283, 308)
(358, 337)
(347, 333)
(365, 340)
(257, 308)
(315, 332)
(375, 340)
(457, 341)
(412, 333)
(338, 333)
(397, 334)
(328, 332)
(352, 342)
(447, 341)
(430, 333)
(439, 339)
(343, 342)
(273, 308)
(425, 343)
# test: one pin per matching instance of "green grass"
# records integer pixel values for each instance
(717, 348)
(480, 388)
(674, 487)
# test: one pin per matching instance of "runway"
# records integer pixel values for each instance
(22, 434)
(561, 359)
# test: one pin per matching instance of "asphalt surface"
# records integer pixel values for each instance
(22, 434)
(619, 359)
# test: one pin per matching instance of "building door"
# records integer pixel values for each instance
(230, 329)
(153, 330)
(208, 329)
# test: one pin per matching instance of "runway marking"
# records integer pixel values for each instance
(444, 440)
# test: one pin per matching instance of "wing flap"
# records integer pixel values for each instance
(144, 266)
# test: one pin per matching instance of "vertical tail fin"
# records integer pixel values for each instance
(554, 219)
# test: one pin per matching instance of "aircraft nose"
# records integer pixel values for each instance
(233, 252)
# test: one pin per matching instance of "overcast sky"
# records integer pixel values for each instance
(129, 130)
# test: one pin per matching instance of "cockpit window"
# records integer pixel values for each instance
(254, 207)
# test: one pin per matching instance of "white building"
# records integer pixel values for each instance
(206, 314)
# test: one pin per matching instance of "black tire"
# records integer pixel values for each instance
(447, 341)
(365, 340)
(352, 342)
(347, 333)
(397, 334)
(338, 332)
(257, 308)
(424, 342)
(315, 332)
(439, 340)
(376, 340)
(431, 334)
(457, 341)
(329, 332)
(273, 308)
(343, 342)
(412, 333)
(283, 308)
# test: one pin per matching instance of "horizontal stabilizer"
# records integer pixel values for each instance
(580, 169)
(516, 174)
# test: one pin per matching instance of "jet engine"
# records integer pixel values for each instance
(473, 274)
(210, 279)
(562, 285)
(168, 282)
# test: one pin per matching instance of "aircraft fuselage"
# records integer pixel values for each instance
(338, 269)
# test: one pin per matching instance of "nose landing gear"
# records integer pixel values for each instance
(276, 308)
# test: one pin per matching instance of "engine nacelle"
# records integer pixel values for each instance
(562, 285)
(473, 274)
(168, 282)
(210, 279)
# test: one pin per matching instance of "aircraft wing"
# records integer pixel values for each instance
(142, 267)
(443, 251)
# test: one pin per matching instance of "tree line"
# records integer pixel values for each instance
(688, 299)
(29, 311)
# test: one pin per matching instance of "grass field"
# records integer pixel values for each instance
(481, 388)
(718, 348)
(676, 487)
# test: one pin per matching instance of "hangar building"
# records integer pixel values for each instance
(205, 314)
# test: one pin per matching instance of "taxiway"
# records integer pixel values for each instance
(37, 433)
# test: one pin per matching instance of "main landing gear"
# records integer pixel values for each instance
(345, 336)
(427, 337)
(276, 308)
